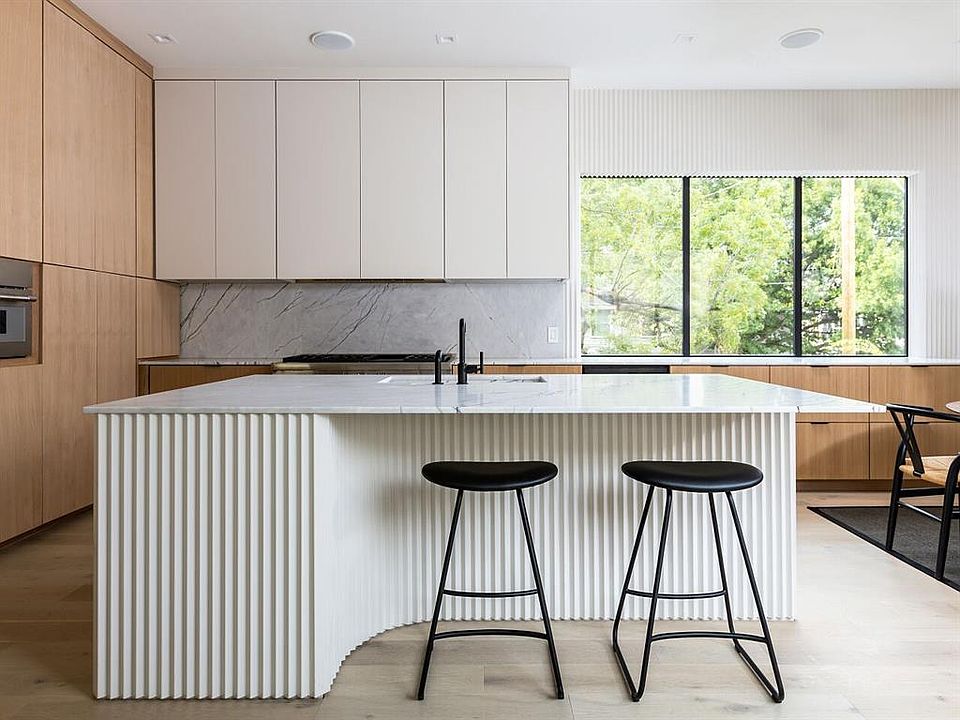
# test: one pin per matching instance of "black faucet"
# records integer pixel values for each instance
(437, 380)
(462, 368)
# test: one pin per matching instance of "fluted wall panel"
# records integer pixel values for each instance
(245, 555)
(814, 132)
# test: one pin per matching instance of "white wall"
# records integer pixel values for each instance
(899, 132)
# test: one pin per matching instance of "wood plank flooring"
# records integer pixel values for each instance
(876, 639)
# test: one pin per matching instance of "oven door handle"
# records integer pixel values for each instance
(18, 298)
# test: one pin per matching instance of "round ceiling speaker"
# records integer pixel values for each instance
(331, 40)
(805, 37)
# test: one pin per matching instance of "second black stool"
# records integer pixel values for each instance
(695, 477)
(490, 477)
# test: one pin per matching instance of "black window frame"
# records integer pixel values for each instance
(797, 263)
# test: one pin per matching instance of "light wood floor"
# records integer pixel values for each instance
(876, 639)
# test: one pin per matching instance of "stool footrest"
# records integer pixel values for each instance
(677, 596)
(490, 631)
(707, 634)
(479, 594)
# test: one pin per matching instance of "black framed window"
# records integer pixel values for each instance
(743, 265)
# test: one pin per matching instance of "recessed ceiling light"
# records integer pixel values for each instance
(684, 39)
(332, 40)
(446, 39)
(804, 37)
(162, 39)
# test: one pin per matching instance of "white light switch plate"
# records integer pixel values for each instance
(553, 334)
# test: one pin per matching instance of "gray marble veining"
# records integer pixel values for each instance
(227, 320)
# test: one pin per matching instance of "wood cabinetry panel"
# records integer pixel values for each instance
(935, 438)
(21, 129)
(158, 318)
(69, 383)
(533, 370)
(185, 180)
(833, 451)
(747, 372)
(116, 337)
(21, 459)
(401, 179)
(173, 377)
(144, 132)
(89, 193)
(318, 179)
(931, 386)
(844, 381)
(246, 244)
(475, 179)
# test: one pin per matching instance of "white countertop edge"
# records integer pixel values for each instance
(486, 410)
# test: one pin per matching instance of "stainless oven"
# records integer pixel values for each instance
(17, 300)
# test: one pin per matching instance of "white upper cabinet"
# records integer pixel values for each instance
(185, 180)
(537, 179)
(246, 180)
(318, 179)
(401, 179)
(475, 158)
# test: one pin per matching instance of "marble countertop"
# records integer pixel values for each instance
(415, 394)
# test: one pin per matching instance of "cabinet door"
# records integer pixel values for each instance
(761, 373)
(849, 382)
(401, 179)
(69, 383)
(21, 440)
(158, 319)
(144, 96)
(934, 438)
(246, 180)
(475, 179)
(833, 451)
(318, 179)
(21, 129)
(116, 337)
(537, 179)
(185, 180)
(931, 386)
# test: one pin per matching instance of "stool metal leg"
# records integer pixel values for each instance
(540, 597)
(440, 592)
(776, 693)
(636, 691)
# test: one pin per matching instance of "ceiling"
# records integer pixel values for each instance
(605, 43)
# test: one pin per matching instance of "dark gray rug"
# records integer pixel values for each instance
(915, 541)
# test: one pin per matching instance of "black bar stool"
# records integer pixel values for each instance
(696, 477)
(490, 477)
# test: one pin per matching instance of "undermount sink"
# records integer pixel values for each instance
(474, 380)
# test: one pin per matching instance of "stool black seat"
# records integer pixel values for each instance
(490, 477)
(695, 477)
(699, 477)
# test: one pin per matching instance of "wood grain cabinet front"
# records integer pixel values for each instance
(845, 381)
(21, 458)
(934, 438)
(928, 385)
(21, 129)
(761, 373)
(69, 383)
(833, 451)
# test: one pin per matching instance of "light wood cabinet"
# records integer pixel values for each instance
(69, 383)
(89, 165)
(475, 179)
(185, 180)
(833, 451)
(848, 382)
(318, 179)
(161, 378)
(116, 337)
(158, 319)
(537, 179)
(21, 440)
(760, 373)
(930, 386)
(21, 130)
(246, 237)
(144, 132)
(533, 370)
(401, 179)
(934, 438)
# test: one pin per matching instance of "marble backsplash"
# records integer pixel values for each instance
(246, 320)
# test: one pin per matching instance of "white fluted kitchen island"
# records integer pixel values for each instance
(252, 532)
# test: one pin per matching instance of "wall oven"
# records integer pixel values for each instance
(17, 302)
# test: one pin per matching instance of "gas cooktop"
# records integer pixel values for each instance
(366, 358)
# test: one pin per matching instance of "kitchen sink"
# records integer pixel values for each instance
(474, 380)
